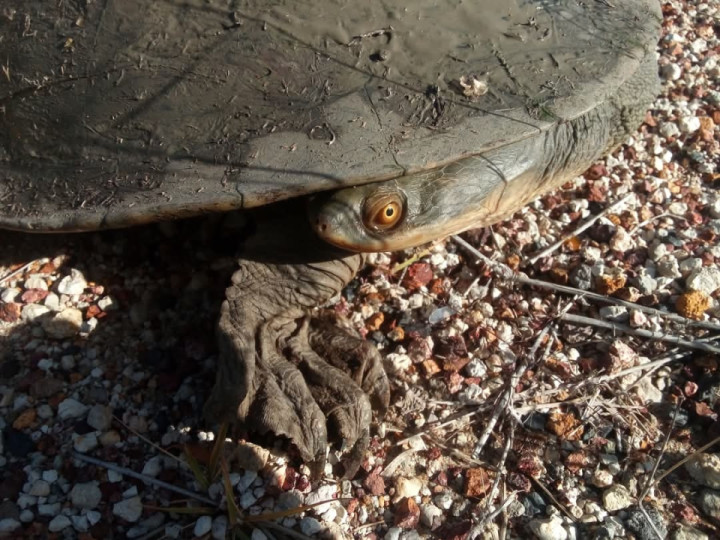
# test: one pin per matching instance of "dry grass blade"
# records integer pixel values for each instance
(265, 516)
(197, 470)
(232, 507)
(217, 450)
(410, 260)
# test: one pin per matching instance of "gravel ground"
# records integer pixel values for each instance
(550, 379)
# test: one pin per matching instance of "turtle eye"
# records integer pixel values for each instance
(383, 212)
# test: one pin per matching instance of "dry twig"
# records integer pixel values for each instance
(640, 332)
(586, 225)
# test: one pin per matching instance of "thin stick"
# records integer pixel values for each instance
(477, 529)
(509, 274)
(553, 499)
(655, 363)
(501, 466)
(145, 478)
(617, 327)
(507, 396)
(686, 459)
(15, 272)
(589, 223)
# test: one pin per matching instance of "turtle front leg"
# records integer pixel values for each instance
(291, 374)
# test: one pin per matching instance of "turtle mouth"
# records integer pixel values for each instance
(339, 223)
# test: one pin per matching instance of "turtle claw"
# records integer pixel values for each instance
(296, 376)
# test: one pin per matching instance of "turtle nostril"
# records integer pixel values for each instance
(321, 225)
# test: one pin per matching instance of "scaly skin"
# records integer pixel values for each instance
(282, 371)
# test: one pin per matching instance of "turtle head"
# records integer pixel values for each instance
(363, 218)
(407, 211)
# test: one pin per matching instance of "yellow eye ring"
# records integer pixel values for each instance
(383, 212)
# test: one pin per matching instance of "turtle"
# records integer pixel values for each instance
(337, 128)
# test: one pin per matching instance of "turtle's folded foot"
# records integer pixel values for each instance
(284, 372)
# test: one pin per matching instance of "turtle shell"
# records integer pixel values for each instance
(125, 111)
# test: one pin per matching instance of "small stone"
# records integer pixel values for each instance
(407, 513)
(219, 528)
(678, 208)
(257, 534)
(106, 303)
(689, 124)
(86, 495)
(71, 408)
(622, 241)
(173, 530)
(25, 419)
(129, 509)
(668, 130)
(39, 488)
(73, 284)
(616, 498)
(85, 443)
(10, 312)
(99, 417)
(686, 532)
(49, 509)
(27, 516)
(693, 304)
(65, 324)
(706, 280)
(637, 523)
(247, 499)
(80, 523)
(610, 283)
(668, 267)
(646, 284)
(323, 493)
(614, 313)
(671, 72)
(9, 294)
(35, 282)
(374, 483)
(51, 475)
(564, 425)
(398, 363)
(430, 515)
(153, 466)
(58, 523)
(705, 469)
(203, 525)
(407, 487)
(110, 438)
(689, 265)
(52, 302)
(31, 312)
(549, 528)
(478, 482)
(310, 526)
(8, 525)
(444, 500)
(602, 478)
